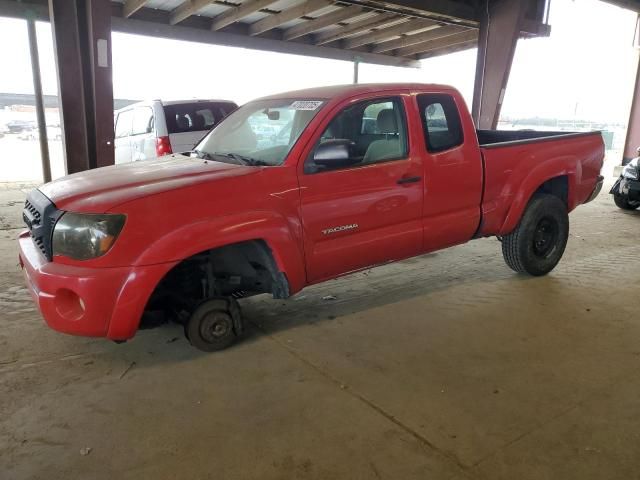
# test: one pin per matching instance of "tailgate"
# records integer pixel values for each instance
(185, 141)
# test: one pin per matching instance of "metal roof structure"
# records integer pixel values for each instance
(398, 33)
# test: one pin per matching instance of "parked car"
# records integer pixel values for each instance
(152, 129)
(54, 132)
(626, 190)
(185, 236)
(19, 126)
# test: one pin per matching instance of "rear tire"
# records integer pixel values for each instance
(536, 245)
(622, 201)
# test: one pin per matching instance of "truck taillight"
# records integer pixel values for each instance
(163, 146)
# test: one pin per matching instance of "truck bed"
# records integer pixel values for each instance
(517, 162)
(496, 138)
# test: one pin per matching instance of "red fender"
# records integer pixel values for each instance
(217, 232)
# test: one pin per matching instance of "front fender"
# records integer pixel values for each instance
(212, 233)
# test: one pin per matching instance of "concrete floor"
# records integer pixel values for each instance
(447, 366)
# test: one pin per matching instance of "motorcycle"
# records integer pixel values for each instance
(626, 190)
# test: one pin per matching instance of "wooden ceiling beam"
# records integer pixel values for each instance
(186, 9)
(310, 26)
(467, 36)
(235, 14)
(132, 6)
(376, 21)
(277, 19)
(382, 34)
(409, 40)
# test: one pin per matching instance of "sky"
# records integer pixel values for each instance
(585, 69)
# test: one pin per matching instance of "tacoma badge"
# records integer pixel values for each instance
(341, 228)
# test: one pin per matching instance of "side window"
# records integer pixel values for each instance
(142, 120)
(440, 121)
(369, 120)
(367, 132)
(123, 124)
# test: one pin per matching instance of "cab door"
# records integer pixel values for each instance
(367, 210)
(453, 170)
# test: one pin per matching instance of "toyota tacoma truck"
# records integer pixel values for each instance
(347, 177)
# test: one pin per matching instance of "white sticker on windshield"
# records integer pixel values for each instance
(306, 105)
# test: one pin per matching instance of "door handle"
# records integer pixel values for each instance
(405, 180)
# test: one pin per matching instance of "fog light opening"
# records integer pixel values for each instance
(69, 305)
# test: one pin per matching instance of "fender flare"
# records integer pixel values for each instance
(569, 167)
(269, 227)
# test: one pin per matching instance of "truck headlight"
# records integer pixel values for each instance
(630, 171)
(83, 236)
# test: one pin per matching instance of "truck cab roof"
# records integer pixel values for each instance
(339, 92)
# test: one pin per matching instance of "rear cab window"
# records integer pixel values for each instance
(196, 116)
(440, 121)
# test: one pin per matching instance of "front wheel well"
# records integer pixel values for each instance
(237, 270)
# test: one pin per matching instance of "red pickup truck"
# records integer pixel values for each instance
(292, 190)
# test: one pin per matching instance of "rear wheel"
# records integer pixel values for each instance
(538, 242)
(623, 202)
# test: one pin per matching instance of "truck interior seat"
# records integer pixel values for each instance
(389, 147)
(182, 122)
(198, 122)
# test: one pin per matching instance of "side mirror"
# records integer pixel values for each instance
(334, 154)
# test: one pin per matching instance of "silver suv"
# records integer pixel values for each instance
(155, 128)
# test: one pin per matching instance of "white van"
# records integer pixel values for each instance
(155, 128)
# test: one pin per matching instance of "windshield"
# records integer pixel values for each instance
(259, 133)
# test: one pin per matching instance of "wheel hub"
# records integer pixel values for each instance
(545, 237)
(216, 325)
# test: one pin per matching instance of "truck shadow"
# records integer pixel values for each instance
(378, 287)
(477, 262)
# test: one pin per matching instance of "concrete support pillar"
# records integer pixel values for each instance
(82, 43)
(633, 128)
(356, 70)
(37, 91)
(500, 26)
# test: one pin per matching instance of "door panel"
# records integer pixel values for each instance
(452, 171)
(366, 214)
(360, 217)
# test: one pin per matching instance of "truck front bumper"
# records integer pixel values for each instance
(94, 302)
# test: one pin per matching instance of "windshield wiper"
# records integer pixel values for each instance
(203, 155)
(242, 159)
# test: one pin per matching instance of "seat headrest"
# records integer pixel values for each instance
(386, 121)
(182, 122)
(197, 121)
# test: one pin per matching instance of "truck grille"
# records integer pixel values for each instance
(40, 215)
(32, 210)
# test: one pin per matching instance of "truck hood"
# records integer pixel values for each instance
(100, 189)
